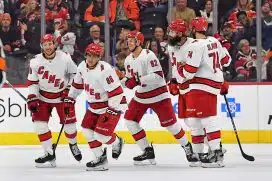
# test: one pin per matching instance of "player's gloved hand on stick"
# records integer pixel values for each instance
(33, 103)
(173, 87)
(111, 115)
(69, 103)
(65, 93)
(131, 83)
(224, 88)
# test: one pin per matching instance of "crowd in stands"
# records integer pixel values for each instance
(76, 23)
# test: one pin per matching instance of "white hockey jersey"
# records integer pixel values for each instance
(177, 56)
(203, 68)
(101, 85)
(147, 70)
(48, 78)
(66, 42)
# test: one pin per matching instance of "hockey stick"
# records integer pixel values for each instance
(23, 97)
(247, 157)
(61, 130)
(19, 93)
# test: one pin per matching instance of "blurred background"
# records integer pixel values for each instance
(245, 26)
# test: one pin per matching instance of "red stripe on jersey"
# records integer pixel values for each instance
(70, 136)
(180, 71)
(115, 92)
(152, 93)
(160, 73)
(124, 100)
(225, 60)
(98, 105)
(190, 68)
(50, 95)
(44, 137)
(205, 81)
(180, 134)
(198, 139)
(94, 144)
(213, 135)
(184, 85)
(140, 135)
(113, 138)
(77, 86)
(30, 82)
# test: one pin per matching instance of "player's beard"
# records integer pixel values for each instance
(174, 41)
(49, 54)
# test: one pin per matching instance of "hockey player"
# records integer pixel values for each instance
(105, 96)
(143, 71)
(50, 75)
(204, 80)
(178, 43)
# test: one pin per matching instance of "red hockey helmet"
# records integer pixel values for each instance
(47, 38)
(199, 24)
(178, 26)
(94, 49)
(139, 37)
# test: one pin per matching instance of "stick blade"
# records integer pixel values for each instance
(248, 157)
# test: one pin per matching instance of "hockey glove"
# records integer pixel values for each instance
(65, 93)
(69, 104)
(173, 87)
(33, 103)
(224, 88)
(131, 83)
(111, 115)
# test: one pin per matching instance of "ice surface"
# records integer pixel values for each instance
(17, 164)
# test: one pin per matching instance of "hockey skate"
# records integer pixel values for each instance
(117, 149)
(46, 161)
(191, 156)
(100, 164)
(214, 159)
(147, 155)
(75, 151)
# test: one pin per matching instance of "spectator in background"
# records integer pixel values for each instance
(122, 39)
(242, 5)
(120, 59)
(95, 11)
(94, 37)
(266, 26)
(247, 29)
(125, 13)
(31, 6)
(245, 64)
(159, 35)
(196, 5)
(9, 36)
(181, 11)
(208, 14)
(54, 8)
(124, 48)
(31, 34)
(2, 7)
